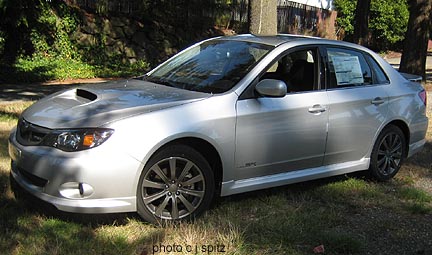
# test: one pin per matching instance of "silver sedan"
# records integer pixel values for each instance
(225, 116)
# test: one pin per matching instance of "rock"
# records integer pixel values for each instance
(90, 28)
(140, 52)
(169, 50)
(86, 39)
(119, 46)
(106, 26)
(130, 30)
(140, 39)
(119, 22)
(129, 52)
(117, 33)
(132, 60)
(156, 35)
(109, 41)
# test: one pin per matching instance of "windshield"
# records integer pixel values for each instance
(212, 67)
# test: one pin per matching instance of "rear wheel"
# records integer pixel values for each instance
(388, 154)
(177, 183)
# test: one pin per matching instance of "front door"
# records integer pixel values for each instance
(275, 135)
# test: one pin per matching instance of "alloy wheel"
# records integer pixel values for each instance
(173, 188)
(389, 154)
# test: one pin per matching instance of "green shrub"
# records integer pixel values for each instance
(50, 53)
(36, 69)
(56, 68)
(387, 22)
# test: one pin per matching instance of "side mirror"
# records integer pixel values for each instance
(271, 88)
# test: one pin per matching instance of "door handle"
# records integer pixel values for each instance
(317, 109)
(377, 101)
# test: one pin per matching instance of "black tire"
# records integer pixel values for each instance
(184, 193)
(388, 153)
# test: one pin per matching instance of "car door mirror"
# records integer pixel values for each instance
(271, 88)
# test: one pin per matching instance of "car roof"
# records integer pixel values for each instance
(276, 40)
(273, 40)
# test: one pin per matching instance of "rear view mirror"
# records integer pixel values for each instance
(271, 88)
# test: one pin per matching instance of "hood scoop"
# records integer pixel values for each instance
(85, 95)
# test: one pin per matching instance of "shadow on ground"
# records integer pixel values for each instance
(35, 91)
(31, 226)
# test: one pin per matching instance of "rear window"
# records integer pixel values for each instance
(380, 77)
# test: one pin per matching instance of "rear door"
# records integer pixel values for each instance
(358, 104)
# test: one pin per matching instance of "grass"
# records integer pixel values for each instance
(411, 193)
(345, 214)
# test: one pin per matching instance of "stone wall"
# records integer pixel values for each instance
(125, 37)
(134, 40)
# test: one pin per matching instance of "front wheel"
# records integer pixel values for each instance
(388, 153)
(177, 183)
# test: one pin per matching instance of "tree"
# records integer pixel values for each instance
(263, 17)
(416, 39)
(361, 23)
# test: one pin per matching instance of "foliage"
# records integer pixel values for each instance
(52, 68)
(37, 68)
(345, 17)
(52, 38)
(38, 38)
(387, 24)
(48, 52)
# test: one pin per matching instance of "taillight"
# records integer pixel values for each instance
(423, 96)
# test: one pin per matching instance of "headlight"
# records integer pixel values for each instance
(77, 140)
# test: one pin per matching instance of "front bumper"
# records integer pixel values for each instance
(98, 180)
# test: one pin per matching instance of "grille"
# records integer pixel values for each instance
(30, 134)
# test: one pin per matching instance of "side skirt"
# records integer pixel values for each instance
(264, 182)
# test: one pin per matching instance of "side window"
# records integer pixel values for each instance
(297, 69)
(347, 68)
(380, 77)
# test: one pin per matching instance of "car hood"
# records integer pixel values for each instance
(98, 104)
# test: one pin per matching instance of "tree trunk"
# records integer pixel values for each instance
(361, 23)
(263, 17)
(416, 39)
